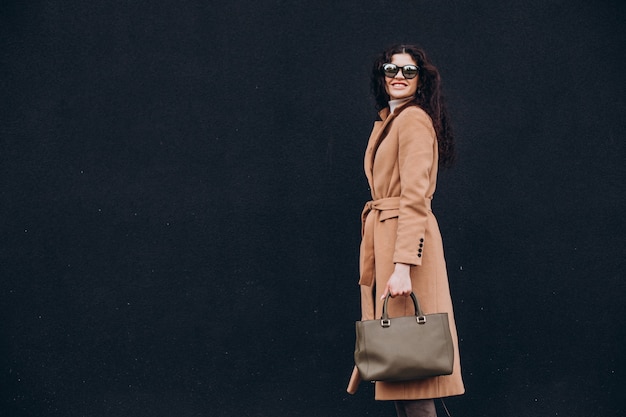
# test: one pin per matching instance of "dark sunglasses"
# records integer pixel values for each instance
(409, 71)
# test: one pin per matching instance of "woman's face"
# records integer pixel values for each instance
(399, 86)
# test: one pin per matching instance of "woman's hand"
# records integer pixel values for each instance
(400, 282)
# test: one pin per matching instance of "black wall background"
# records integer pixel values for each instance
(182, 181)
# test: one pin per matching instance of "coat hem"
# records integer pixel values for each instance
(403, 398)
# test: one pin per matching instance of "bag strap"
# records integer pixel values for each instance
(421, 318)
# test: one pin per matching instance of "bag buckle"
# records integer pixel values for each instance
(421, 319)
(385, 323)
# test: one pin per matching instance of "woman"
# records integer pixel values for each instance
(401, 247)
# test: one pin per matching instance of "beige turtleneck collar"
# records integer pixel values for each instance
(394, 104)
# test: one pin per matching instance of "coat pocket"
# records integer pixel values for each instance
(389, 214)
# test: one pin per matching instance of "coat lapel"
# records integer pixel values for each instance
(374, 142)
(377, 136)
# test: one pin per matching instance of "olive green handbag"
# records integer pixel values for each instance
(404, 348)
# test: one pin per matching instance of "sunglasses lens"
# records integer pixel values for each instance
(409, 71)
(390, 70)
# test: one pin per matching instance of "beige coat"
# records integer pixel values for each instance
(401, 164)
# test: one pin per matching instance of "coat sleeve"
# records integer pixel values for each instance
(416, 141)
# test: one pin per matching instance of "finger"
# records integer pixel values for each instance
(382, 297)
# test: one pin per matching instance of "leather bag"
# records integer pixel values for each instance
(404, 348)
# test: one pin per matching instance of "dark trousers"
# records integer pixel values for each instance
(416, 408)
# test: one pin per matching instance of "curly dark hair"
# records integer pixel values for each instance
(429, 96)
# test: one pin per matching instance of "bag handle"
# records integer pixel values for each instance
(419, 316)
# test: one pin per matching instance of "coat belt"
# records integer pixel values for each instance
(367, 260)
(367, 265)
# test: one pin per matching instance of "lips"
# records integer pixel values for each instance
(399, 88)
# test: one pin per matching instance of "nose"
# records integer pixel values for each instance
(399, 74)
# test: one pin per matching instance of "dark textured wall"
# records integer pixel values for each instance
(181, 185)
